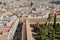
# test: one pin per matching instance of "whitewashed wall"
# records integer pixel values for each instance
(12, 30)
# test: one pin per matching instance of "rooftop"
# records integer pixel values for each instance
(55, 2)
(6, 25)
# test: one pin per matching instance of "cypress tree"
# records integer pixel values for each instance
(49, 18)
(31, 3)
(54, 21)
(54, 25)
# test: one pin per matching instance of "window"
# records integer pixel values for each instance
(1, 32)
(34, 9)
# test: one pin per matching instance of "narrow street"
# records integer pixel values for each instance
(18, 33)
(24, 35)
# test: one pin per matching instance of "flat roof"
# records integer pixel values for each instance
(55, 2)
(4, 35)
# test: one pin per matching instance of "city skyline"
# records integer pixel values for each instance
(29, 20)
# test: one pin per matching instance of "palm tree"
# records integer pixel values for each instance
(43, 33)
